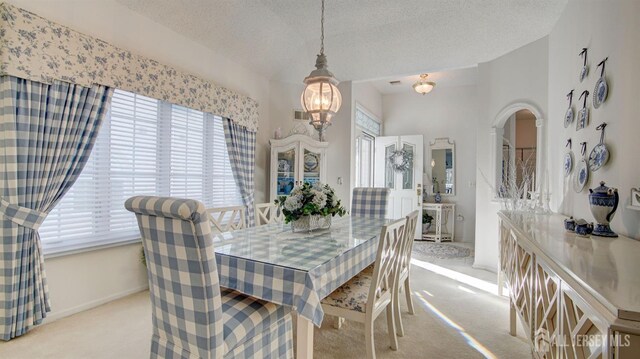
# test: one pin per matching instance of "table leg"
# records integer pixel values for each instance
(304, 338)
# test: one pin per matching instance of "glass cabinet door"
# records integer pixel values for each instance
(286, 172)
(311, 163)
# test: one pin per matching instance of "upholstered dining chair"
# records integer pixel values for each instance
(369, 202)
(370, 292)
(404, 264)
(266, 213)
(225, 219)
(192, 317)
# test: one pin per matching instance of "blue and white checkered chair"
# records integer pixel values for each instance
(369, 202)
(192, 317)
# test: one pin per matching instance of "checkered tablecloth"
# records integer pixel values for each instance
(296, 269)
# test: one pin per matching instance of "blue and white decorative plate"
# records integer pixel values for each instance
(311, 162)
(568, 163)
(598, 157)
(284, 166)
(583, 119)
(568, 117)
(600, 92)
(584, 72)
(581, 176)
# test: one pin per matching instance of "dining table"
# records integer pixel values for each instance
(297, 269)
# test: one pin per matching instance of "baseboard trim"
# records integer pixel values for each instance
(92, 304)
(491, 269)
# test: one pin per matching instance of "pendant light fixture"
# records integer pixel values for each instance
(423, 86)
(321, 98)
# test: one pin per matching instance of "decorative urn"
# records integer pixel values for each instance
(604, 203)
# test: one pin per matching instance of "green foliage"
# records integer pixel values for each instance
(304, 202)
(426, 218)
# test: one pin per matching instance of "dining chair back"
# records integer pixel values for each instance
(370, 292)
(404, 266)
(369, 202)
(266, 213)
(191, 316)
(225, 219)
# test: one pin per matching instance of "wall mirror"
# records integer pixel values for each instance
(443, 169)
(519, 156)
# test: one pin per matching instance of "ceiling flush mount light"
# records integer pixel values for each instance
(321, 98)
(423, 86)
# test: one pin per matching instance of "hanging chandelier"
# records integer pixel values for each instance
(321, 98)
(423, 86)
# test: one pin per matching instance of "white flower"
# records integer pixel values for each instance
(296, 191)
(319, 198)
(334, 201)
(293, 203)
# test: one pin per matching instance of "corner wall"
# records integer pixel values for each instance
(608, 29)
(519, 76)
(446, 112)
(84, 280)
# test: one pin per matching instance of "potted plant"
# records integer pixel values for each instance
(426, 221)
(310, 207)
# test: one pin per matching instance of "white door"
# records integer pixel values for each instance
(405, 185)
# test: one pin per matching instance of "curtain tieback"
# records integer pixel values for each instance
(22, 216)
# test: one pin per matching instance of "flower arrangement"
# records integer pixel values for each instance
(307, 200)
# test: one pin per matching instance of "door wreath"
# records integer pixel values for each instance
(401, 160)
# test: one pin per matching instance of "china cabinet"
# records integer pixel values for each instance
(294, 160)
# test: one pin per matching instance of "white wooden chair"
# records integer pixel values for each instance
(404, 264)
(225, 219)
(370, 292)
(266, 213)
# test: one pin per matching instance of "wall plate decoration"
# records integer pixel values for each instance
(583, 114)
(569, 115)
(635, 197)
(601, 89)
(599, 155)
(568, 160)
(284, 166)
(581, 175)
(584, 71)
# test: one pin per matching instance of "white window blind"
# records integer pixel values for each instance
(145, 147)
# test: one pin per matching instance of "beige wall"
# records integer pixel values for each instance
(445, 112)
(609, 29)
(517, 77)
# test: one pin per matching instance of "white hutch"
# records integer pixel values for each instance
(296, 159)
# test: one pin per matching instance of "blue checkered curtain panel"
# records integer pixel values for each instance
(47, 132)
(241, 144)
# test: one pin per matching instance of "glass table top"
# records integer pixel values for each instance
(278, 245)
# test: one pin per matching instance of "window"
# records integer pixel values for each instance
(145, 147)
(367, 127)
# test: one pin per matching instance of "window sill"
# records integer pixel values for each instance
(62, 250)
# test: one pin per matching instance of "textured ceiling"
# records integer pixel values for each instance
(451, 78)
(365, 39)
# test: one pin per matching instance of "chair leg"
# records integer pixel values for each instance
(391, 328)
(407, 290)
(395, 304)
(337, 323)
(368, 338)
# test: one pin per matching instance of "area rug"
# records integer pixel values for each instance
(441, 250)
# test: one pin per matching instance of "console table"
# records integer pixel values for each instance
(577, 297)
(440, 231)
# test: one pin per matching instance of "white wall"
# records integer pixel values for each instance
(445, 112)
(519, 76)
(79, 281)
(609, 29)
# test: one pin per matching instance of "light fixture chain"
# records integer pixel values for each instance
(322, 30)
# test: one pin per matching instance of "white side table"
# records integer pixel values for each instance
(439, 230)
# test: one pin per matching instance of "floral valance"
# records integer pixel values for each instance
(35, 48)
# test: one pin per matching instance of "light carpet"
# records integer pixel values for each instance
(456, 317)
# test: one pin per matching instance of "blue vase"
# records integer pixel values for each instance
(438, 198)
(603, 202)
